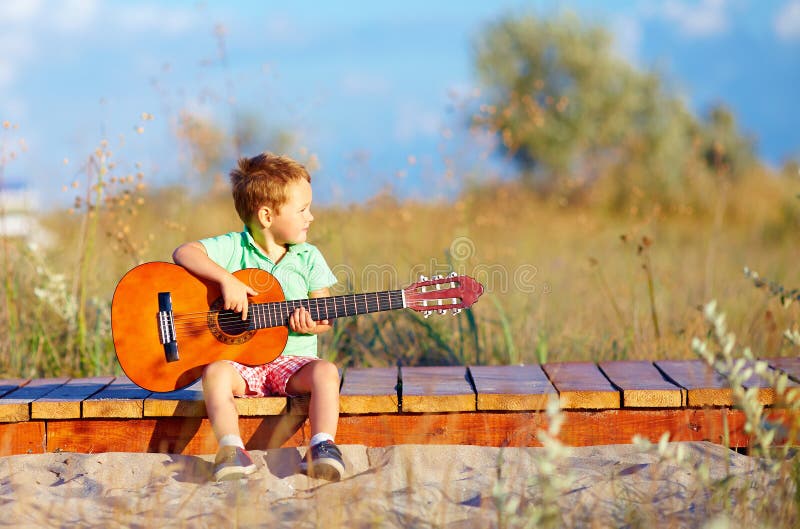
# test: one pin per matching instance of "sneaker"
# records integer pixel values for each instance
(325, 461)
(232, 462)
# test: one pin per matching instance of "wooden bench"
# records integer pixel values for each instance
(605, 403)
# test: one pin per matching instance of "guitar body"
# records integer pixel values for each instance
(169, 324)
(207, 333)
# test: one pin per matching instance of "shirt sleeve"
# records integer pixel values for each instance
(319, 273)
(222, 249)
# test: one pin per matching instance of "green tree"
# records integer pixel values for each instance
(570, 113)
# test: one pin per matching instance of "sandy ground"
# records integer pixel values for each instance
(400, 486)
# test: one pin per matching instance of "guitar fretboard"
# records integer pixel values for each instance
(276, 314)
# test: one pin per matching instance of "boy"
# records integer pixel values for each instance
(272, 195)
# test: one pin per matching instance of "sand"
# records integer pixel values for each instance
(399, 486)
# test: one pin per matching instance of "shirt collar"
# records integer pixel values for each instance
(299, 248)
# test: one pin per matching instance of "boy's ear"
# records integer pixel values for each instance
(264, 216)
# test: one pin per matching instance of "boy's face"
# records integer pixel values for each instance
(290, 223)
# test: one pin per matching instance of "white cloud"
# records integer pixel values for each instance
(159, 18)
(18, 12)
(14, 110)
(364, 83)
(709, 17)
(787, 21)
(72, 16)
(627, 32)
(7, 74)
(16, 47)
(280, 29)
(413, 121)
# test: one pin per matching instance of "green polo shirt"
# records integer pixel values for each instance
(301, 270)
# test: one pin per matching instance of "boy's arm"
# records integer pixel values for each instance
(300, 320)
(193, 257)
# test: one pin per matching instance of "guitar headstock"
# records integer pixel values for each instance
(441, 294)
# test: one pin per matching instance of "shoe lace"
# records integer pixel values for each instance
(328, 448)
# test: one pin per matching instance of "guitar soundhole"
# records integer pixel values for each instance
(227, 326)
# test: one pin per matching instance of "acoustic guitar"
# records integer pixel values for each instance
(169, 324)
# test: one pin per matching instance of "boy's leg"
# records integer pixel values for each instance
(221, 382)
(321, 379)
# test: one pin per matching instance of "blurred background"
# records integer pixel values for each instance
(604, 169)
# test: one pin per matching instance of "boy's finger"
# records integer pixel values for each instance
(252, 291)
(244, 310)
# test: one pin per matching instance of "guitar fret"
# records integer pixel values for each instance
(277, 313)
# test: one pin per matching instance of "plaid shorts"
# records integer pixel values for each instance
(269, 380)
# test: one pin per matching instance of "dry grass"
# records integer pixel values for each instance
(563, 282)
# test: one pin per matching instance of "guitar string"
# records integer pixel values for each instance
(395, 293)
(264, 309)
(349, 301)
(261, 311)
(234, 317)
(280, 308)
(201, 327)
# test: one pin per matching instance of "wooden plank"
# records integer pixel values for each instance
(186, 402)
(173, 435)
(790, 366)
(10, 384)
(502, 428)
(766, 392)
(436, 389)
(22, 438)
(261, 406)
(512, 388)
(703, 385)
(122, 398)
(580, 428)
(64, 402)
(642, 385)
(581, 385)
(370, 390)
(15, 405)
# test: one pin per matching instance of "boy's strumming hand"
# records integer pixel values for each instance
(301, 322)
(234, 295)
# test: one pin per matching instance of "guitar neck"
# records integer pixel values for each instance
(276, 314)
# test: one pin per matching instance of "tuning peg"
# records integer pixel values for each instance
(453, 274)
(437, 277)
(456, 311)
(426, 313)
(422, 278)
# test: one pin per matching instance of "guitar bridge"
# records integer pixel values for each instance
(166, 327)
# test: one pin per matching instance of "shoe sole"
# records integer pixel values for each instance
(329, 469)
(231, 473)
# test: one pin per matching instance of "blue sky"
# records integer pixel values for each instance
(368, 87)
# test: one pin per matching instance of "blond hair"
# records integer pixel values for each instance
(263, 180)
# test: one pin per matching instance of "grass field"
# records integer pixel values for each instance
(564, 281)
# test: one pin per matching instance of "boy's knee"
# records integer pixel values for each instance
(326, 371)
(215, 370)
(222, 376)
